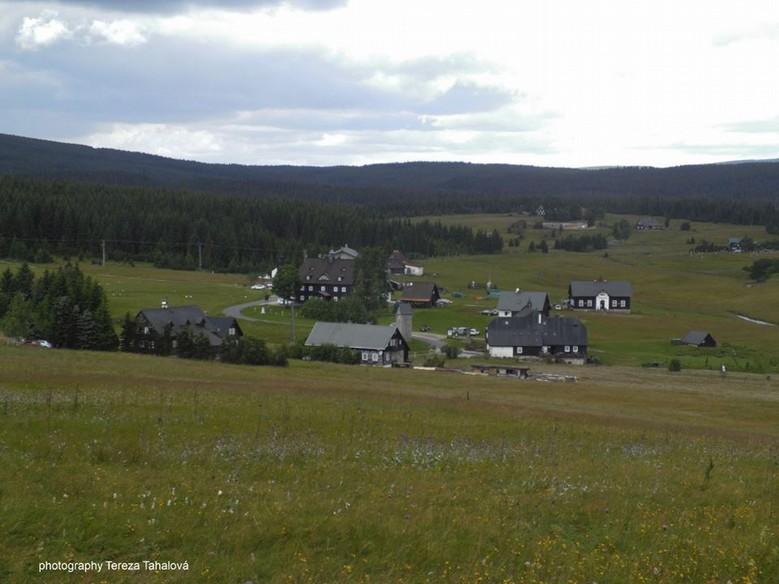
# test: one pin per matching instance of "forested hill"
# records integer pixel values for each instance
(173, 228)
(374, 184)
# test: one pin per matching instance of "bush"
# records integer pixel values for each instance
(451, 351)
(435, 360)
(675, 365)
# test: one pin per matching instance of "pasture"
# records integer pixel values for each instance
(674, 291)
(327, 473)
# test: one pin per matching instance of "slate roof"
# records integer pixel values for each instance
(649, 222)
(326, 270)
(418, 292)
(516, 301)
(350, 335)
(526, 331)
(695, 337)
(193, 320)
(396, 260)
(595, 287)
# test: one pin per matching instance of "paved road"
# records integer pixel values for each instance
(237, 310)
(437, 342)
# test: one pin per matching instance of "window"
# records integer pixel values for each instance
(302, 297)
(146, 330)
(340, 278)
(323, 288)
(589, 303)
(375, 357)
(302, 288)
(520, 350)
(308, 277)
(581, 302)
(576, 348)
(544, 349)
(365, 355)
(335, 298)
(343, 289)
(567, 348)
(231, 331)
(623, 303)
(310, 288)
(174, 343)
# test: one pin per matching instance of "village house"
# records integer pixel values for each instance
(565, 225)
(329, 278)
(420, 294)
(375, 344)
(699, 339)
(343, 253)
(396, 262)
(532, 334)
(734, 244)
(152, 324)
(512, 303)
(607, 295)
(649, 224)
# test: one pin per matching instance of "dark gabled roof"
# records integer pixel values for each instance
(526, 331)
(350, 335)
(695, 337)
(516, 301)
(396, 260)
(326, 270)
(176, 316)
(418, 291)
(595, 287)
(649, 221)
(193, 320)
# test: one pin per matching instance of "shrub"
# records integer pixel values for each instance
(675, 365)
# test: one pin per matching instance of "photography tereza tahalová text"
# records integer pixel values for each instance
(113, 566)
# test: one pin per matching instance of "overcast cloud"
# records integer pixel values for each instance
(360, 81)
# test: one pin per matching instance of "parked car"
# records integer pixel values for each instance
(474, 332)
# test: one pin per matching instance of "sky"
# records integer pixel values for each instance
(325, 82)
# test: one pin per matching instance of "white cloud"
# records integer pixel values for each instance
(118, 32)
(41, 31)
(171, 140)
(559, 83)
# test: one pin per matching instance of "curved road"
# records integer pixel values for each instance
(435, 341)
(237, 310)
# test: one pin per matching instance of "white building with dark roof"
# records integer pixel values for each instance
(532, 334)
(375, 344)
(512, 303)
(602, 295)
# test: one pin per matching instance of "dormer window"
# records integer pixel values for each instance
(308, 277)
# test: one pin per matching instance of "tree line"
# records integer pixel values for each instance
(64, 307)
(188, 230)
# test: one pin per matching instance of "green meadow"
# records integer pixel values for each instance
(674, 291)
(326, 473)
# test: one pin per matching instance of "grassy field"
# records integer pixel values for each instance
(325, 473)
(674, 292)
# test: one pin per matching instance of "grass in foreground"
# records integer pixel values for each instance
(323, 473)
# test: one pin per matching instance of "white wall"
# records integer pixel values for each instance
(502, 352)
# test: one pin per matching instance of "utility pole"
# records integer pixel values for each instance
(199, 256)
(293, 322)
(103, 247)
